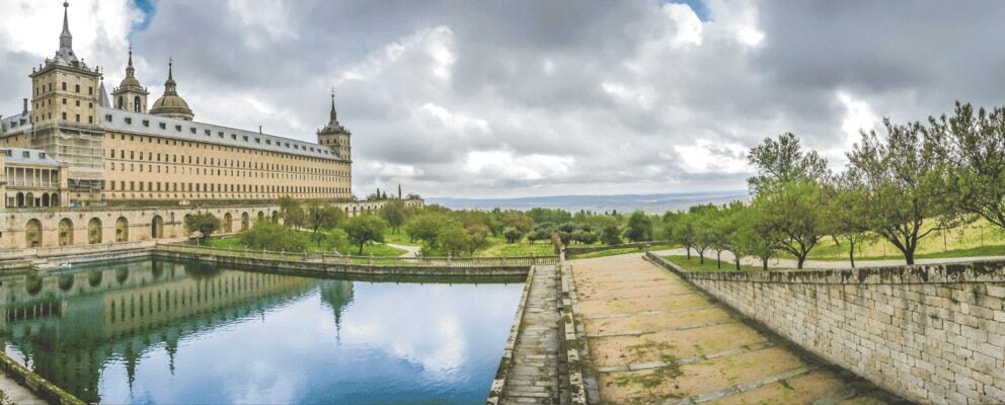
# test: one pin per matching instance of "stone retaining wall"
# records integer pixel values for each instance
(930, 333)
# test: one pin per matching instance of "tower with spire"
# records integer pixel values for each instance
(66, 97)
(130, 95)
(335, 136)
(171, 104)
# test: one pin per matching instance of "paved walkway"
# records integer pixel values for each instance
(411, 251)
(15, 393)
(533, 377)
(652, 338)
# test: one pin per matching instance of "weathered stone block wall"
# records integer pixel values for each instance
(930, 333)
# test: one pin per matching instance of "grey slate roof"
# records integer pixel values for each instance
(29, 157)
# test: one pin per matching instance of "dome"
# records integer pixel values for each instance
(171, 104)
(129, 82)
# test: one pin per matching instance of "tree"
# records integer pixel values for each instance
(639, 228)
(394, 213)
(678, 227)
(753, 236)
(610, 235)
(426, 227)
(795, 215)
(512, 234)
(452, 239)
(322, 217)
(973, 146)
(365, 228)
(275, 237)
(292, 212)
(904, 183)
(846, 219)
(477, 236)
(203, 222)
(783, 161)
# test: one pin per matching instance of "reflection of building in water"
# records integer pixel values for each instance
(337, 294)
(69, 325)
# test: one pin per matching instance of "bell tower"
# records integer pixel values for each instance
(130, 95)
(65, 102)
(335, 136)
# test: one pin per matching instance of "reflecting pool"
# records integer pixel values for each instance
(187, 332)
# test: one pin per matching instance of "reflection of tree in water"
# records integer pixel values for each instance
(337, 294)
(33, 283)
(201, 271)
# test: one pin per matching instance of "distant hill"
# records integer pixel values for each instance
(623, 203)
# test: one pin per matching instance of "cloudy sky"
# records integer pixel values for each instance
(532, 98)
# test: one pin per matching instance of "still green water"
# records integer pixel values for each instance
(186, 332)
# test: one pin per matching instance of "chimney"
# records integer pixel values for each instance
(25, 110)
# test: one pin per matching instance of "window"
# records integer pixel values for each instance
(76, 88)
(108, 117)
(25, 154)
(128, 120)
(146, 123)
(77, 118)
(41, 155)
(90, 90)
(163, 125)
(64, 86)
(64, 100)
(77, 103)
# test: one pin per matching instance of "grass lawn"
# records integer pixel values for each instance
(694, 265)
(400, 238)
(976, 239)
(497, 247)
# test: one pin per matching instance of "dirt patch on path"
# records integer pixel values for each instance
(653, 338)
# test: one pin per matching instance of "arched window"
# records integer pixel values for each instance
(121, 103)
(136, 104)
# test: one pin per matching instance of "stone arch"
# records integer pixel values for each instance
(94, 231)
(122, 229)
(245, 221)
(157, 227)
(20, 200)
(228, 223)
(275, 217)
(33, 233)
(29, 200)
(54, 200)
(65, 232)
(261, 215)
(45, 200)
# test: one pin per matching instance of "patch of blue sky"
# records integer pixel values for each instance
(698, 6)
(149, 8)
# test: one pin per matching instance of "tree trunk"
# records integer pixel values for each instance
(799, 263)
(909, 256)
(737, 262)
(764, 263)
(361, 248)
(851, 252)
(718, 259)
(688, 249)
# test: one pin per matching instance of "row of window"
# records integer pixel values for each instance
(239, 164)
(222, 188)
(76, 89)
(217, 172)
(222, 148)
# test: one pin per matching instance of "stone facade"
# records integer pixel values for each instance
(123, 153)
(930, 333)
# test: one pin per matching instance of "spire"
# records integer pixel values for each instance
(169, 85)
(332, 115)
(130, 71)
(65, 39)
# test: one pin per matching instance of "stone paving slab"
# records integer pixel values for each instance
(652, 338)
(533, 377)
